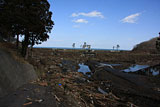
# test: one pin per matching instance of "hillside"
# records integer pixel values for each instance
(19, 85)
(14, 72)
(146, 46)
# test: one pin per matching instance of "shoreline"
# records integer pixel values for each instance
(70, 48)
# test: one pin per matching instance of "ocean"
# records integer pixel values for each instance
(81, 48)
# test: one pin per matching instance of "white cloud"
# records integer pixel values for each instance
(90, 14)
(74, 15)
(131, 18)
(80, 21)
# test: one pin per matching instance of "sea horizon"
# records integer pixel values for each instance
(70, 48)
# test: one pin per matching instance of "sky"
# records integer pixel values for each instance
(103, 23)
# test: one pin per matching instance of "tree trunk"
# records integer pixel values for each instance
(32, 46)
(9, 38)
(25, 44)
(17, 41)
(27, 51)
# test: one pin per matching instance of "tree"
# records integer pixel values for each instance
(118, 47)
(84, 45)
(5, 21)
(29, 18)
(113, 47)
(40, 23)
(73, 45)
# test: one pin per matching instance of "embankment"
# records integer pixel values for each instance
(13, 73)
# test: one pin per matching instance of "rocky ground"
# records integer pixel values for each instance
(106, 87)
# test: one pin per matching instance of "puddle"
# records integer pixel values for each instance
(84, 69)
(151, 71)
(135, 68)
(144, 69)
(155, 72)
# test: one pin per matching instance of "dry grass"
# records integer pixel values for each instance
(12, 50)
(147, 46)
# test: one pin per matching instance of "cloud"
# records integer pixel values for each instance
(131, 18)
(90, 14)
(80, 21)
(74, 15)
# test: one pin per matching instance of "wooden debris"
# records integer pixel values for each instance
(43, 83)
(57, 98)
(131, 104)
(39, 101)
(27, 103)
(29, 99)
(84, 102)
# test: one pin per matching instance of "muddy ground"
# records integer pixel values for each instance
(106, 87)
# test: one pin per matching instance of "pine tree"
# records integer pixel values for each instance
(29, 18)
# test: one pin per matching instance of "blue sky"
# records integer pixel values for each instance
(103, 23)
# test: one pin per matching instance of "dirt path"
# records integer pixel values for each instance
(30, 95)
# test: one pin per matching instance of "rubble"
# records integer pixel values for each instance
(103, 87)
(27, 103)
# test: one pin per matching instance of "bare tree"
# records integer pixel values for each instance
(73, 45)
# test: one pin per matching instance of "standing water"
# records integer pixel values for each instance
(83, 68)
(135, 68)
(144, 69)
